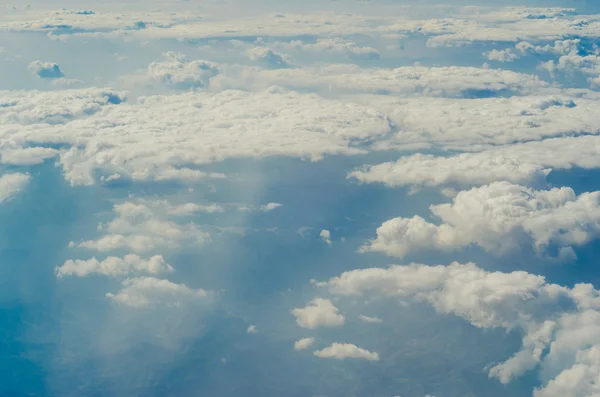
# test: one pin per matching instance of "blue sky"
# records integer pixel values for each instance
(349, 198)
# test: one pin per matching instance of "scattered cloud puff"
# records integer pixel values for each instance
(45, 70)
(252, 329)
(499, 218)
(325, 236)
(318, 313)
(335, 45)
(367, 319)
(560, 325)
(303, 344)
(501, 55)
(113, 266)
(12, 184)
(270, 207)
(148, 292)
(143, 227)
(342, 351)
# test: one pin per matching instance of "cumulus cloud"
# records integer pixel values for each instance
(45, 70)
(269, 57)
(210, 128)
(342, 351)
(252, 329)
(466, 169)
(318, 313)
(12, 184)
(303, 344)
(499, 218)
(144, 227)
(270, 207)
(180, 73)
(113, 266)
(559, 325)
(501, 55)
(325, 236)
(143, 292)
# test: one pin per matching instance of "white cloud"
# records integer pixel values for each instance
(12, 184)
(113, 266)
(465, 169)
(334, 45)
(141, 141)
(501, 55)
(27, 156)
(269, 58)
(144, 227)
(270, 207)
(151, 292)
(303, 344)
(180, 73)
(318, 313)
(367, 319)
(560, 325)
(342, 351)
(252, 329)
(499, 218)
(45, 70)
(325, 236)
(450, 81)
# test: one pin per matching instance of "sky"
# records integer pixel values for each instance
(383, 198)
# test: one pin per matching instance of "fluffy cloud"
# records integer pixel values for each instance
(325, 236)
(304, 343)
(113, 266)
(269, 58)
(466, 169)
(12, 184)
(501, 55)
(209, 128)
(525, 164)
(145, 292)
(342, 351)
(45, 70)
(451, 81)
(318, 313)
(560, 325)
(500, 218)
(180, 73)
(144, 227)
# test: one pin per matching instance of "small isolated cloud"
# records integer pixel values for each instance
(113, 266)
(269, 58)
(368, 319)
(303, 343)
(151, 292)
(252, 329)
(326, 236)
(342, 351)
(318, 313)
(501, 55)
(270, 207)
(45, 70)
(12, 184)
